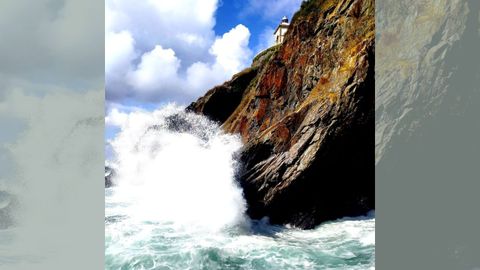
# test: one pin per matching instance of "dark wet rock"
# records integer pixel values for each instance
(109, 175)
(220, 102)
(114, 219)
(184, 123)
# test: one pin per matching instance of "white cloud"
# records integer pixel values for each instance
(120, 47)
(158, 69)
(231, 51)
(162, 51)
(231, 55)
(116, 118)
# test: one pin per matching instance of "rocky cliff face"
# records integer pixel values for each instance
(305, 111)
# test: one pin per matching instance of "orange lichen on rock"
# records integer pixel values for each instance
(297, 116)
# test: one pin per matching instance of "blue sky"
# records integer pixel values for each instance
(233, 12)
(158, 52)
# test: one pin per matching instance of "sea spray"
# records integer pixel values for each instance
(175, 204)
(175, 166)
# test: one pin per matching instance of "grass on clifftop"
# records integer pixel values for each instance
(307, 7)
(270, 51)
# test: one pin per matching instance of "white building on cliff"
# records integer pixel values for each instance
(281, 30)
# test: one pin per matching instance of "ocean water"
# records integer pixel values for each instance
(130, 244)
(177, 205)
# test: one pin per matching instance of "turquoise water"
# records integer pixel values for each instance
(133, 244)
(177, 205)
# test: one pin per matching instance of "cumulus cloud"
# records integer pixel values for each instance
(161, 51)
(157, 69)
(120, 48)
(116, 118)
(231, 55)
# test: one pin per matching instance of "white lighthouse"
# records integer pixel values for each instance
(281, 30)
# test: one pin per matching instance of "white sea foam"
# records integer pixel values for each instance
(176, 205)
(179, 167)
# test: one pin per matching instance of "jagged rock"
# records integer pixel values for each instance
(222, 100)
(109, 174)
(305, 111)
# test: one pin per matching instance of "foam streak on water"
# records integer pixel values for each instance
(176, 205)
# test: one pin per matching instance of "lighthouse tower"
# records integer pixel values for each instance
(281, 30)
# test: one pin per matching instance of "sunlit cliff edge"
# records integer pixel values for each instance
(305, 112)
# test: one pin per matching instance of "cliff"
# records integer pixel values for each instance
(305, 111)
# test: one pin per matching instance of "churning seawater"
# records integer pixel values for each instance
(176, 205)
